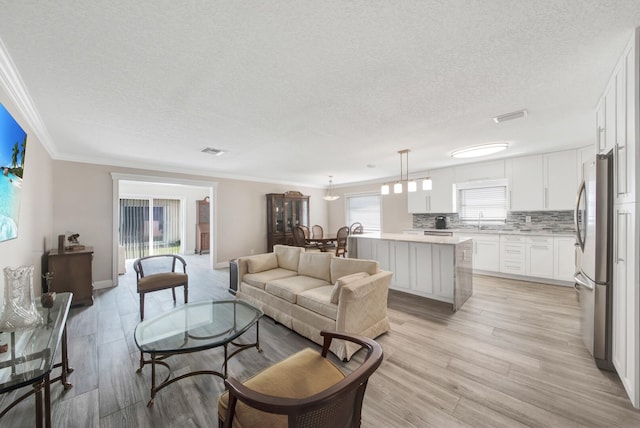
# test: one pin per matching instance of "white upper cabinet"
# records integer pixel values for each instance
(625, 153)
(560, 180)
(526, 192)
(479, 171)
(437, 200)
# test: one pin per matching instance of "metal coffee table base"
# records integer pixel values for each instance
(158, 359)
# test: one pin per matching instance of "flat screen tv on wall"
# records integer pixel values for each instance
(13, 145)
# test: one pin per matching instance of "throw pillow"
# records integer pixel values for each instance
(288, 257)
(262, 262)
(341, 282)
(316, 265)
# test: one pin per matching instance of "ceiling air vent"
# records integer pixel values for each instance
(212, 151)
(510, 116)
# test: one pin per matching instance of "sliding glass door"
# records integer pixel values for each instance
(150, 226)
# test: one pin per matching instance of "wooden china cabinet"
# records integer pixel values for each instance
(285, 210)
(203, 228)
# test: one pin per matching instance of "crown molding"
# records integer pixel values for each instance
(13, 85)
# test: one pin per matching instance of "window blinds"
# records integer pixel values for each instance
(486, 203)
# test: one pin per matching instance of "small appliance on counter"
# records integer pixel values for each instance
(441, 222)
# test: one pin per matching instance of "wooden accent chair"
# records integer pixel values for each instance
(316, 231)
(356, 228)
(158, 272)
(305, 390)
(341, 241)
(307, 233)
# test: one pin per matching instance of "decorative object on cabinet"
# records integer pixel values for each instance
(285, 210)
(203, 228)
(329, 196)
(73, 273)
(412, 185)
(19, 307)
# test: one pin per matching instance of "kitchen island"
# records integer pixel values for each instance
(437, 267)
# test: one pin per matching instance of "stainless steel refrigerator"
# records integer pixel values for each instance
(594, 265)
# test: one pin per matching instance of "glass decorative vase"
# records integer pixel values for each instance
(19, 307)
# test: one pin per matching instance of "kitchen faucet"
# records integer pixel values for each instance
(479, 217)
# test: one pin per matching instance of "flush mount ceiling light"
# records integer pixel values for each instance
(510, 116)
(412, 184)
(212, 151)
(329, 196)
(481, 150)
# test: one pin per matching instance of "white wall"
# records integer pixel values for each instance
(83, 196)
(34, 224)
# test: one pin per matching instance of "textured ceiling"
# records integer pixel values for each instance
(295, 91)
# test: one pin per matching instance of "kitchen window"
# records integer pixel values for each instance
(482, 201)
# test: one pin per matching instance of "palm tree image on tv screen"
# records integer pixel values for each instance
(13, 146)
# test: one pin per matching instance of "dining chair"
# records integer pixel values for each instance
(306, 231)
(356, 228)
(299, 239)
(305, 390)
(341, 241)
(158, 272)
(316, 231)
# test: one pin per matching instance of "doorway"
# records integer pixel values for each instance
(152, 215)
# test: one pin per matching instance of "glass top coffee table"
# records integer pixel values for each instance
(195, 327)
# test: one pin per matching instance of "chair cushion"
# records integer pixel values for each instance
(301, 375)
(262, 262)
(316, 265)
(341, 282)
(160, 281)
(260, 279)
(341, 267)
(289, 288)
(288, 257)
(318, 300)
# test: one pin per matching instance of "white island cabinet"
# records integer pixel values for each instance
(436, 267)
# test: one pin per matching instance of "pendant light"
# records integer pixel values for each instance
(412, 185)
(329, 196)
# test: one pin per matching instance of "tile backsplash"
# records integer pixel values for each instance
(544, 221)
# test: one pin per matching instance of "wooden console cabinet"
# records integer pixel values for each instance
(72, 272)
(203, 228)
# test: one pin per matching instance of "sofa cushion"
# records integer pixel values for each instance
(288, 257)
(260, 279)
(316, 265)
(342, 267)
(341, 282)
(262, 262)
(289, 288)
(318, 300)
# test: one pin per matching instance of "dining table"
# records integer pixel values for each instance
(324, 243)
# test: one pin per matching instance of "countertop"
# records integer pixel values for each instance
(427, 239)
(534, 232)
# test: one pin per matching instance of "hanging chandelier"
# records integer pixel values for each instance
(329, 196)
(412, 184)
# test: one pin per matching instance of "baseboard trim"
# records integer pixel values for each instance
(99, 285)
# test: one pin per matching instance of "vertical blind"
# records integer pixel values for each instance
(141, 237)
(364, 209)
(486, 203)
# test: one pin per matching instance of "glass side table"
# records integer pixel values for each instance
(30, 358)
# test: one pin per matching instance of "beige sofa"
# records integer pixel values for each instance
(310, 291)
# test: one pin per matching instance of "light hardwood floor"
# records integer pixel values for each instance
(512, 356)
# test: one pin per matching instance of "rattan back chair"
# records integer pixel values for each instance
(318, 394)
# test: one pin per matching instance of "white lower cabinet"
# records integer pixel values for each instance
(539, 256)
(626, 301)
(564, 264)
(432, 270)
(486, 251)
(513, 254)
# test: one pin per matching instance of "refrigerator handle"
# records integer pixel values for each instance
(581, 191)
